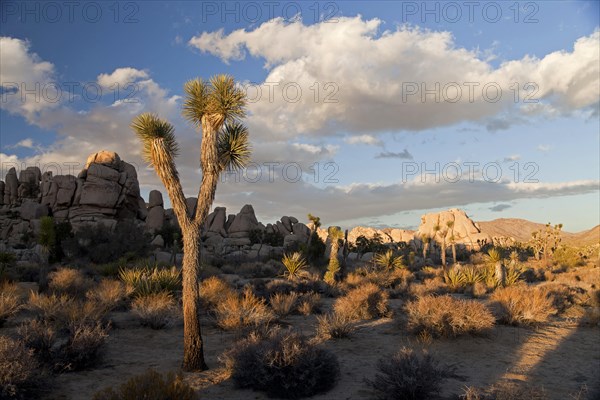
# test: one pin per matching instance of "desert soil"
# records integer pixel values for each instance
(561, 357)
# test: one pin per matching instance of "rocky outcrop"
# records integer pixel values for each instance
(105, 191)
(465, 231)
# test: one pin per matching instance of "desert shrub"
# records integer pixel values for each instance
(568, 257)
(237, 311)
(564, 296)
(108, 245)
(65, 310)
(157, 310)
(364, 302)
(283, 304)
(385, 278)
(282, 364)
(334, 326)
(71, 282)
(317, 247)
(150, 386)
(19, 373)
(109, 293)
(309, 303)
(294, 265)
(521, 305)
(10, 302)
(83, 347)
(147, 280)
(434, 286)
(445, 316)
(38, 336)
(215, 290)
(409, 376)
(49, 307)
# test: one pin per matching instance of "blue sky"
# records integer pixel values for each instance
(370, 54)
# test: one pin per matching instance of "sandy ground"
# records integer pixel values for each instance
(561, 357)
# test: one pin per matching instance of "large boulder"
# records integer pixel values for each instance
(463, 228)
(11, 189)
(155, 199)
(155, 218)
(243, 223)
(217, 222)
(104, 157)
(29, 183)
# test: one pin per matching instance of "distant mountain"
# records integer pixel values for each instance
(521, 230)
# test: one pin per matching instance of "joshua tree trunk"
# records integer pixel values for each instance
(453, 253)
(344, 256)
(425, 248)
(193, 353)
(500, 273)
(443, 253)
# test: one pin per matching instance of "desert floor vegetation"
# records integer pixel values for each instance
(366, 336)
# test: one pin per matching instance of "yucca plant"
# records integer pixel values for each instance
(389, 260)
(495, 258)
(455, 279)
(294, 265)
(472, 275)
(513, 275)
(216, 108)
(146, 281)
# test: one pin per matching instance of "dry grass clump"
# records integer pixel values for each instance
(433, 286)
(156, 311)
(10, 302)
(247, 310)
(49, 307)
(152, 386)
(309, 303)
(69, 281)
(334, 326)
(19, 373)
(110, 293)
(504, 391)
(284, 304)
(282, 364)
(445, 316)
(409, 376)
(364, 302)
(39, 336)
(521, 305)
(214, 291)
(592, 313)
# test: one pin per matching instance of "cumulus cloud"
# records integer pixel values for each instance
(514, 157)
(544, 148)
(121, 77)
(23, 79)
(381, 81)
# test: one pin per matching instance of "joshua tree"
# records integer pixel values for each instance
(316, 223)
(216, 107)
(452, 239)
(335, 235)
(389, 261)
(425, 239)
(495, 258)
(545, 242)
(442, 233)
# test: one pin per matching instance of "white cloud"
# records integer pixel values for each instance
(23, 79)
(375, 68)
(544, 148)
(364, 139)
(121, 77)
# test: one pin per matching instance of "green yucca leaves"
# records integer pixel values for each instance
(155, 132)
(294, 264)
(233, 147)
(389, 260)
(144, 281)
